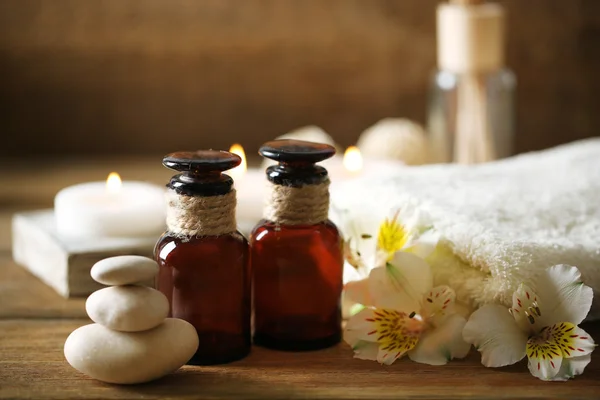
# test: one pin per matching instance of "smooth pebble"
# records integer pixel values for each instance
(127, 308)
(124, 270)
(131, 357)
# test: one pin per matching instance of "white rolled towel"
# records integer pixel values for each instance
(500, 222)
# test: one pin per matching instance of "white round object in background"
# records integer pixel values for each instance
(95, 209)
(310, 133)
(395, 139)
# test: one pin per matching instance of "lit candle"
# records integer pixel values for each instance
(110, 209)
(250, 188)
(352, 160)
(352, 165)
(238, 172)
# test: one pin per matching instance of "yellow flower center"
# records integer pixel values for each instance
(553, 342)
(392, 237)
(396, 331)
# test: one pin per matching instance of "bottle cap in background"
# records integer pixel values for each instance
(470, 37)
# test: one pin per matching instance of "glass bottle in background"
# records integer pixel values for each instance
(204, 267)
(297, 253)
(470, 117)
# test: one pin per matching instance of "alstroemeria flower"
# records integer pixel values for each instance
(541, 324)
(365, 250)
(404, 314)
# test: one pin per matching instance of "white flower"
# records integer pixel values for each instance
(542, 325)
(404, 315)
(368, 246)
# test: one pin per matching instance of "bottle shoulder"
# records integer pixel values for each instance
(168, 243)
(267, 229)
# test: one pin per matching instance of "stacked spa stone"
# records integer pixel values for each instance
(131, 341)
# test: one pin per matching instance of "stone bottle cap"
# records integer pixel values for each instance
(296, 151)
(297, 160)
(201, 172)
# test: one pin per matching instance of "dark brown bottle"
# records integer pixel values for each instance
(296, 253)
(204, 261)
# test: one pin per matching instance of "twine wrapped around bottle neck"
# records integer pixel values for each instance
(306, 205)
(201, 216)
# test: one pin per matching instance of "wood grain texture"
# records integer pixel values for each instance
(131, 76)
(32, 365)
(65, 264)
(22, 295)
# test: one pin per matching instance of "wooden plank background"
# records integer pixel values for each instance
(152, 76)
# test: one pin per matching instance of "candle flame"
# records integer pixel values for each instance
(239, 171)
(353, 160)
(113, 183)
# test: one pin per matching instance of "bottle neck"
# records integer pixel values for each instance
(195, 216)
(297, 205)
(205, 184)
(297, 175)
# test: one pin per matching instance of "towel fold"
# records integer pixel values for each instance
(500, 222)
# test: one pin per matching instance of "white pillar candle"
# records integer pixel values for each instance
(110, 209)
(251, 191)
(249, 184)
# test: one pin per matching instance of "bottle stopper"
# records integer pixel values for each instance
(201, 172)
(297, 159)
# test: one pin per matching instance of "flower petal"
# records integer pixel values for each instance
(424, 244)
(359, 231)
(571, 340)
(393, 331)
(544, 354)
(363, 349)
(388, 357)
(526, 309)
(571, 367)
(401, 284)
(440, 345)
(366, 350)
(496, 336)
(438, 304)
(358, 292)
(352, 274)
(361, 326)
(349, 307)
(352, 256)
(565, 297)
(350, 337)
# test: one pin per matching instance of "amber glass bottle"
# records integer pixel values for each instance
(204, 261)
(297, 253)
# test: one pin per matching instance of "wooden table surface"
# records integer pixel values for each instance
(35, 321)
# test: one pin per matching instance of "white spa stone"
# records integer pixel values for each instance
(124, 270)
(127, 308)
(131, 357)
(395, 139)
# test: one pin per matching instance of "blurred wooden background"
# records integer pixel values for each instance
(153, 76)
